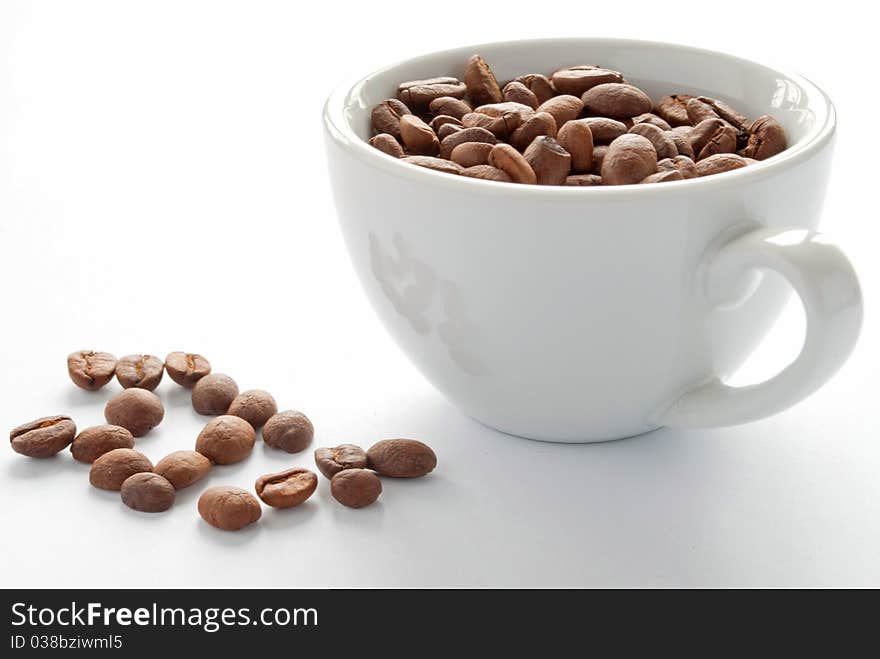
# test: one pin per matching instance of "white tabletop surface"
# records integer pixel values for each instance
(162, 187)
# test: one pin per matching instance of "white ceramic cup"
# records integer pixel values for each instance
(589, 314)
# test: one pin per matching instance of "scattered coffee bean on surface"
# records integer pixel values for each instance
(109, 471)
(401, 458)
(213, 394)
(137, 410)
(92, 443)
(147, 493)
(254, 406)
(355, 488)
(289, 431)
(330, 461)
(229, 508)
(226, 440)
(183, 468)
(141, 371)
(287, 488)
(186, 368)
(91, 370)
(43, 437)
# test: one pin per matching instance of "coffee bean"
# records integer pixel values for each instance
(355, 488)
(766, 138)
(183, 468)
(511, 161)
(454, 107)
(448, 129)
(684, 165)
(91, 370)
(630, 159)
(213, 394)
(578, 79)
(599, 153)
(538, 84)
(616, 100)
(698, 111)
(471, 153)
(289, 431)
(653, 119)
(500, 127)
(516, 92)
(110, 471)
(442, 119)
(500, 109)
(577, 138)
(664, 176)
(660, 139)
(487, 173)
(437, 164)
(715, 131)
(674, 109)
(562, 108)
(254, 406)
(542, 123)
(141, 371)
(418, 137)
(401, 458)
(229, 508)
(226, 440)
(385, 117)
(720, 163)
(583, 180)
(549, 160)
(186, 368)
(482, 87)
(465, 135)
(604, 130)
(726, 112)
(287, 488)
(331, 461)
(147, 493)
(94, 442)
(44, 437)
(387, 144)
(137, 410)
(682, 142)
(418, 94)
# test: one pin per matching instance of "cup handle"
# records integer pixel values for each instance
(828, 287)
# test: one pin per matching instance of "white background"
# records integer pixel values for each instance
(163, 187)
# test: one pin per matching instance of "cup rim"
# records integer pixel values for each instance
(339, 129)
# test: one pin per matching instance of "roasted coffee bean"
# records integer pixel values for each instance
(549, 160)
(682, 143)
(662, 141)
(713, 134)
(448, 129)
(110, 471)
(542, 123)
(500, 127)
(437, 164)
(289, 431)
(254, 406)
(599, 153)
(653, 119)
(616, 100)
(226, 440)
(44, 437)
(91, 370)
(487, 173)
(470, 154)
(583, 180)
(213, 394)
(538, 84)
(287, 488)
(729, 114)
(516, 92)
(385, 117)
(387, 144)
(563, 108)
(330, 461)
(94, 442)
(682, 164)
(401, 458)
(465, 135)
(577, 138)
(630, 159)
(186, 368)
(141, 371)
(664, 176)
(482, 87)
(454, 107)
(766, 138)
(501, 109)
(418, 137)
(355, 488)
(720, 163)
(418, 94)
(442, 119)
(508, 159)
(604, 130)
(137, 410)
(183, 468)
(698, 111)
(147, 493)
(229, 508)
(578, 79)
(674, 109)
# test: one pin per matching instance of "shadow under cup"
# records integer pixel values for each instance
(573, 314)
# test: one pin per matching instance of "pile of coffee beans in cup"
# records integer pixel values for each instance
(227, 438)
(582, 125)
